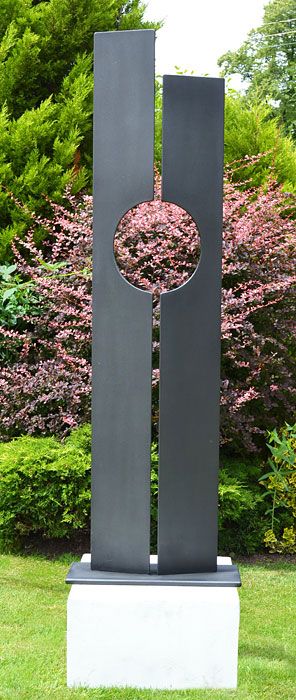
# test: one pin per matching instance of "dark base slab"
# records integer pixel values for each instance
(226, 575)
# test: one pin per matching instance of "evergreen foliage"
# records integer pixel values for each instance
(45, 491)
(46, 86)
(44, 487)
(251, 129)
(266, 60)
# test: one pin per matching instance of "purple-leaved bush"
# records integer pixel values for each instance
(45, 378)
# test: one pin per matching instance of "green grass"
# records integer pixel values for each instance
(33, 625)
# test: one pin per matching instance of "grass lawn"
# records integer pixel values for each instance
(33, 624)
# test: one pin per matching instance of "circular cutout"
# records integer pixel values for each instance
(157, 246)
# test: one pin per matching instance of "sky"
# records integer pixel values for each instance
(197, 32)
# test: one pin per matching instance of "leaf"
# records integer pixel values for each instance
(266, 476)
(6, 271)
(8, 293)
(10, 269)
(51, 266)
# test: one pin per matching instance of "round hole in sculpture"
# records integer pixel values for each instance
(157, 246)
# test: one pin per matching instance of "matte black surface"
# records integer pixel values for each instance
(190, 331)
(81, 572)
(122, 314)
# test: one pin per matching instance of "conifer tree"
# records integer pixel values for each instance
(267, 61)
(46, 89)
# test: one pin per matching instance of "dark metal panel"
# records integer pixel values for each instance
(122, 314)
(226, 575)
(190, 331)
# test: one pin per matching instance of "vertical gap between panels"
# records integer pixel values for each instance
(157, 249)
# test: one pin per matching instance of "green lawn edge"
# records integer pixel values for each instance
(33, 599)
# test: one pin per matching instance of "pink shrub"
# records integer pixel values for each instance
(45, 386)
(258, 308)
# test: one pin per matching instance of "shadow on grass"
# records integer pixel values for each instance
(268, 561)
(74, 547)
(52, 549)
(269, 651)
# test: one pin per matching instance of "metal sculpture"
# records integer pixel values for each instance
(122, 329)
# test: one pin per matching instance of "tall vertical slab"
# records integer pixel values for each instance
(122, 314)
(190, 332)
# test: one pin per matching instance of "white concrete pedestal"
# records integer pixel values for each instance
(159, 637)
